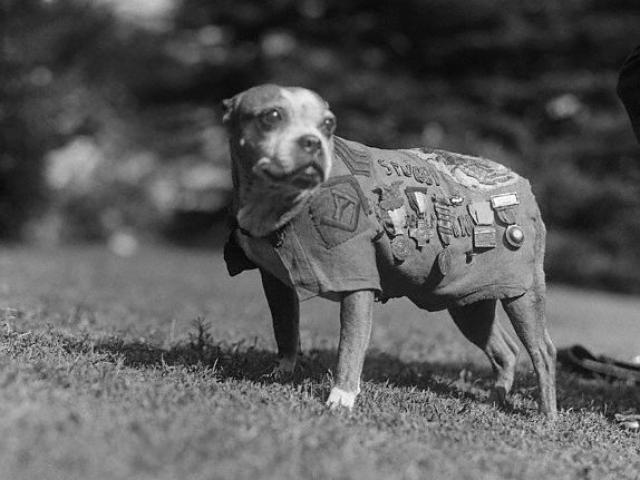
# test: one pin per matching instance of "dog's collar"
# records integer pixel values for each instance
(275, 238)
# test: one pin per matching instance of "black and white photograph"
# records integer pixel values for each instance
(319, 239)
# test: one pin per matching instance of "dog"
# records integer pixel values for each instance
(320, 215)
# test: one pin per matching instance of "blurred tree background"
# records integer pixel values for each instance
(110, 109)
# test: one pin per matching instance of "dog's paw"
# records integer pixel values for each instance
(284, 369)
(340, 398)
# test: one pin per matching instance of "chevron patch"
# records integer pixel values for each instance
(356, 160)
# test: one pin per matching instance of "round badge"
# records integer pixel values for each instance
(400, 248)
(456, 200)
(514, 235)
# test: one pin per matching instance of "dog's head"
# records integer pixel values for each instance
(282, 135)
(281, 147)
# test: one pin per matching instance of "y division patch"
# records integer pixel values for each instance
(336, 210)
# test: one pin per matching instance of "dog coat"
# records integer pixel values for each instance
(443, 229)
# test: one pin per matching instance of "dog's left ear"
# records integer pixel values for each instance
(229, 105)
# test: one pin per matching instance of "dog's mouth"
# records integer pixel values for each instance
(306, 176)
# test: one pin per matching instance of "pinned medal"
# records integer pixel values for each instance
(484, 237)
(466, 225)
(505, 207)
(400, 248)
(456, 200)
(398, 218)
(514, 235)
(419, 201)
(504, 200)
(444, 262)
(457, 231)
(422, 201)
(420, 233)
(445, 220)
(481, 213)
(391, 209)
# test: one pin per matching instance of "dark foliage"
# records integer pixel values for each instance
(528, 83)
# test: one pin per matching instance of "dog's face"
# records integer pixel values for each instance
(282, 135)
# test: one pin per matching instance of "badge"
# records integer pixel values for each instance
(422, 201)
(391, 209)
(457, 231)
(398, 221)
(507, 215)
(481, 213)
(514, 235)
(356, 159)
(445, 220)
(504, 205)
(466, 225)
(444, 262)
(504, 200)
(337, 210)
(456, 200)
(421, 234)
(484, 237)
(390, 196)
(400, 248)
(419, 202)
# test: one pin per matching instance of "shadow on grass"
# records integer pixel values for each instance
(242, 361)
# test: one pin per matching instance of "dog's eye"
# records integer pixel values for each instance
(328, 126)
(270, 118)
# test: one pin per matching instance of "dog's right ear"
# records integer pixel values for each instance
(229, 105)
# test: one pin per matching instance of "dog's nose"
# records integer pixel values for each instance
(310, 143)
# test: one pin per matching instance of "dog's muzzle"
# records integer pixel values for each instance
(307, 175)
(309, 164)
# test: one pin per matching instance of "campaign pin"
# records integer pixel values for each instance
(484, 237)
(456, 200)
(514, 236)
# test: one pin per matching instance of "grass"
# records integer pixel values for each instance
(154, 367)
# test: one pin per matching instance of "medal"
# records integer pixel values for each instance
(420, 233)
(398, 218)
(504, 200)
(444, 262)
(484, 237)
(421, 201)
(400, 248)
(504, 205)
(514, 236)
(456, 200)
(481, 213)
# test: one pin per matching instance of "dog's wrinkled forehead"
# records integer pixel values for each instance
(299, 104)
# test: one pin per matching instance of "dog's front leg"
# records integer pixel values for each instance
(355, 328)
(285, 313)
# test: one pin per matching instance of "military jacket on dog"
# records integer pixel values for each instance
(443, 229)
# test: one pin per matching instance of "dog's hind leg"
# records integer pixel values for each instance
(528, 318)
(285, 313)
(356, 310)
(478, 323)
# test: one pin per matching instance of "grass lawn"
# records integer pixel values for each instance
(106, 374)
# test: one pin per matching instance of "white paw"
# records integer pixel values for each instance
(340, 398)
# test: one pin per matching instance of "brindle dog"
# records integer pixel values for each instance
(282, 148)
